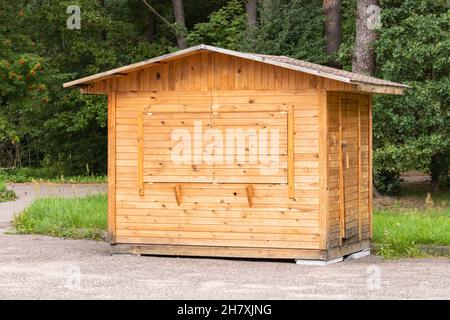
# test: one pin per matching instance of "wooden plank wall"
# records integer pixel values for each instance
(220, 214)
(158, 146)
(204, 71)
(359, 163)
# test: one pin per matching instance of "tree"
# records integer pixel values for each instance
(23, 86)
(179, 18)
(333, 29)
(48, 125)
(251, 11)
(364, 59)
(412, 132)
(225, 27)
(289, 27)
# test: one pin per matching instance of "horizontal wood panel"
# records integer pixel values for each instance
(213, 220)
(306, 233)
(272, 237)
(219, 242)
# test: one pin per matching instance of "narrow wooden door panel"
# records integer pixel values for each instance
(350, 166)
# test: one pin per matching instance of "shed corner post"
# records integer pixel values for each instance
(112, 167)
(370, 167)
(323, 169)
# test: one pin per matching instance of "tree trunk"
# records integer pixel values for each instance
(150, 32)
(333, 29)
(179, 18)
(250, 9)
(364, 59)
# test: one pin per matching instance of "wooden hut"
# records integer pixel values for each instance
(299, 187)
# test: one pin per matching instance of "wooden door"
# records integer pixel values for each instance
(350, 127)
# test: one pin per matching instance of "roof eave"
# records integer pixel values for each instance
(381, 89)
(367, 87)
(131, 67)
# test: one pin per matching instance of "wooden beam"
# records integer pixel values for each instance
(341, 180)
(370, 168)
(177, 191)
(141, 153)
(380, 89)
(358, 148)
(218, 251)
(291, 153)
(249, 189)
(323, 170)
(112, 167)
(84, 85)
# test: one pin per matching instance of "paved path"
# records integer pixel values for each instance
(38, 267)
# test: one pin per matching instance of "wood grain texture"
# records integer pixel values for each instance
(214, 71)
(112, 167)
(341, 179)
(370, 180)
(357, 187)
(323, 169)
(209, 212)
(291, 152)
(219, 251)
(140, 141)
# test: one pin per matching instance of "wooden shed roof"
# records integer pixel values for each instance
(364, 83)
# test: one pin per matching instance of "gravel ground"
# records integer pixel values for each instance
(37, 267)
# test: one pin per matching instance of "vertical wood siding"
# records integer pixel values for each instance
(350, 195)
(214, 71)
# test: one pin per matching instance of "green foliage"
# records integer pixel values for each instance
(292, 28)
(48, 174)
(413, 131)
(224, 28)
(41, 124)
(67, 218)
(22, 79)
(346, 51)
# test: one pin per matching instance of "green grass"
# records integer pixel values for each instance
(22, 175)
(401, 234)
(75, 218)
(5, 194)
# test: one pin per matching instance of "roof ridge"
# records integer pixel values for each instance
(280, 61)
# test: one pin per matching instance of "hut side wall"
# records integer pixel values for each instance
(349, 168)
(217, 214)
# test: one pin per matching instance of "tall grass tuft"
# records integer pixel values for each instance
(75, 218)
